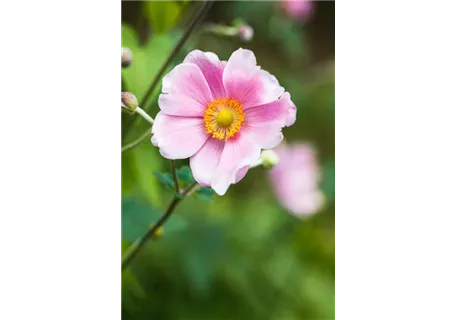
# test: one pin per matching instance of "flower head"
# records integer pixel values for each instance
(298, 9)
(269, 158)
(129, 102)
(245, 32)
(220, 114)
(127, 57)
(296, 177)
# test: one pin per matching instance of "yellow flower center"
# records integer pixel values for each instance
(223, 118)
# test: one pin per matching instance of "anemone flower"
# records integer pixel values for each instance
(220, 114)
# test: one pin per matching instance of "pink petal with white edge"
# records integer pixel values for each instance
(178, 137)
(185, 92)
(247, 83)
(212, 69)
(204, 163)
(263, 123)
(238, 153)
(291, 117)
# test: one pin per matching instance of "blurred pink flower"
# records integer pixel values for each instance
(296, 177)
(297, 9)
(220, 114)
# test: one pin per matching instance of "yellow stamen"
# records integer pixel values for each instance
(223, 118)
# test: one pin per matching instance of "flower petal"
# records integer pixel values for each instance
(204, 163)
(237, 153)
(178, 137)
(185, 91)
(264, 123)
(212, 69)
(240, 174)
(296, 178)
(304, 204)
(291, 117)
(246, 82)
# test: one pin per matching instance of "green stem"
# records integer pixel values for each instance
(140, 242)
(147, 134)
(221, 30)
(203, 10)
(175, 51)
(143, 114)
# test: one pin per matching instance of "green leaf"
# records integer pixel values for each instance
(162, 15)
(205, 194)
(137, 216)
(165, 178)
(185, 175)
(128, 37)
(127, 173)
(145, 159)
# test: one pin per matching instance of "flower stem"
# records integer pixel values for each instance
(221, 30)
(176, 50)
(203, 10)
(138, 141)
(143, 114)
(140, 242)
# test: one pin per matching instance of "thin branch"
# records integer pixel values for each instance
(147, 134)
(199, 16)
(140, 242)
(175, 51)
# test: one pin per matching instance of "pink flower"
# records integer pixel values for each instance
(297, 9)
(296, 177)
(220, 114)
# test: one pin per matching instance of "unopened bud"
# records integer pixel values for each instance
(298, 9)
(269, 158)
(129, 102)
(127, 57)
(245, 32)
(159, 233)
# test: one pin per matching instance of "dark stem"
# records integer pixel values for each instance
(173, 54)
(140, 242)
(175, 51)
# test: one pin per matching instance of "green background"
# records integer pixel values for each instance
(240, 256)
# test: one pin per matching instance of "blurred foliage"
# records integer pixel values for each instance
(163, 15)
(137, 216)
(240, 256)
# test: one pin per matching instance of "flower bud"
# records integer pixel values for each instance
(298, 9)
(159, 233)
(129, 102)
(127, 57)
(269, 158)
(245, 32)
